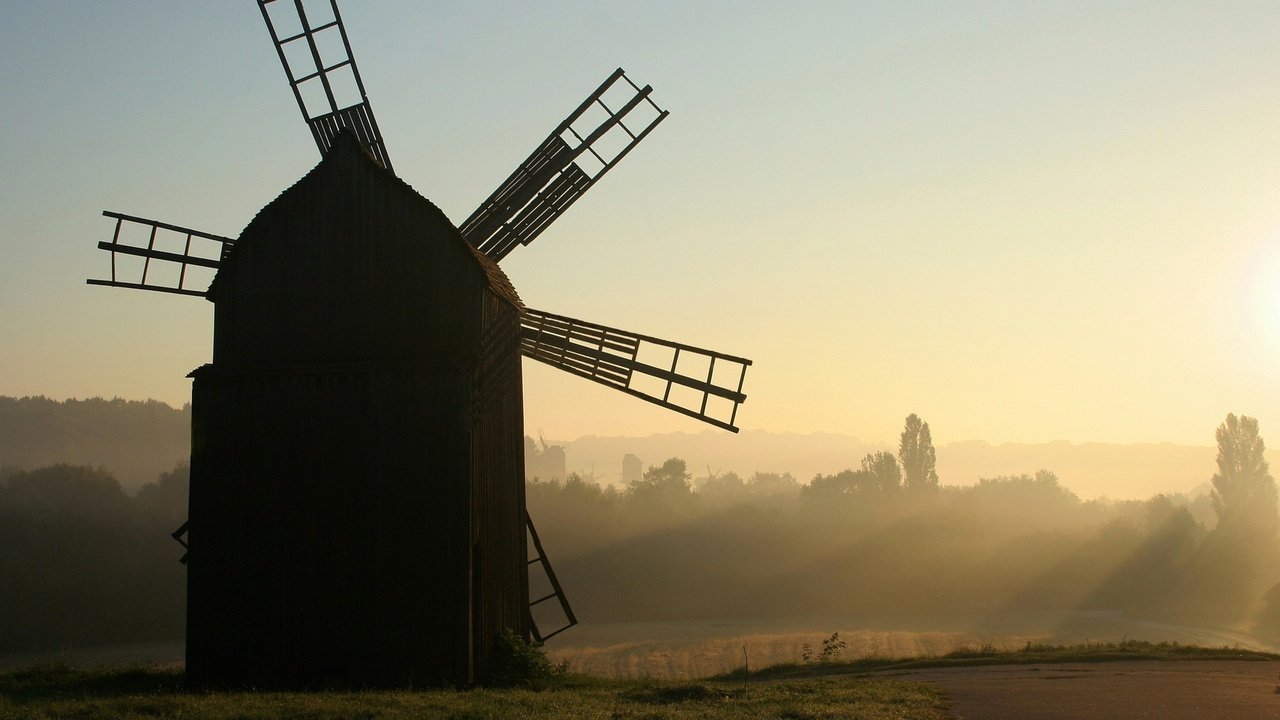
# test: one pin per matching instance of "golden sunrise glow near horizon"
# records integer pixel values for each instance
(1022, 221)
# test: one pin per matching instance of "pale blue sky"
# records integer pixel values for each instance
(1023, 220)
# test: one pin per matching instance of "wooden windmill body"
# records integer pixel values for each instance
(357, 511)
(357, 445)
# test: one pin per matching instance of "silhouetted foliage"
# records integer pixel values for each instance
(517, 663)
(878, 475)
(845, 482)
(1040, 491)
(915, 450)
(882, 468)
(1010, 544)
(96, 565)
(664, 485)
(134, 440)
(1233, 564)
(1268, 621)
(1244, 493)
(728, 486)
(84, 563)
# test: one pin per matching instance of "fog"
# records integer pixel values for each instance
(768, 546)
(138, 440)
(677, 571)
(1089, 469)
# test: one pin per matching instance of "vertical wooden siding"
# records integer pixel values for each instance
(328, 528)
(357, 447)
(501, 577)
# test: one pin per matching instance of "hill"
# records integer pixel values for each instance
(137, 440)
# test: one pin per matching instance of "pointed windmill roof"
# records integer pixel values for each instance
(348, 156)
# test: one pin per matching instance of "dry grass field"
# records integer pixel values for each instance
(689, 650)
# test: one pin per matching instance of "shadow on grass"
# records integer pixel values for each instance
(60, 681)
(671, 694)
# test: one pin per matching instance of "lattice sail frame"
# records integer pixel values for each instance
(623, 360)
(197, 251)
(327, 66)
(573, 158)
(539, 560)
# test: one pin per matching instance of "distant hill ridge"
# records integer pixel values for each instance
(135, 440)
(1089, 469)
(139, 439)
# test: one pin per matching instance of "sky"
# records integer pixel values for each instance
(1024, 221)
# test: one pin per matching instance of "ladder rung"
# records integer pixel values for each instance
(158, 254)
(542, 599)
(557, 632)
(140, 286)
(324, 71)
(304, 33)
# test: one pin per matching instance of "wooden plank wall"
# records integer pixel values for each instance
(500, 576)
(357, 490)
(328, 528)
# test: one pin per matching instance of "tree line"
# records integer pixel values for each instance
(137, 440)
(82, 562)
(887, 538)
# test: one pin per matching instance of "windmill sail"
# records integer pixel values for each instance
(594, 138)
(162, 257)
(322, 73)
(552, 588)
(702, 384)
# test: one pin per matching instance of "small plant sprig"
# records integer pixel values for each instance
(832, 648)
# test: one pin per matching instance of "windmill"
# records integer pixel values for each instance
(357, 488)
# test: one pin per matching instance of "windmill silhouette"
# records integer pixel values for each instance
(357, 474)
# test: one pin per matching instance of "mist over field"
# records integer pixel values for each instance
(1090, 469)
(137, 440)
(678, 570)
(134, 440)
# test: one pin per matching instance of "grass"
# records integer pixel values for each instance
(61, 692)
(987, 655)
(796, 690)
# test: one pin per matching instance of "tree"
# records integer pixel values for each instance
(915, 450)
(772, 484)
(663, 484)
(872, 480)
(1244, 493)
(882, 469)
(845, 482)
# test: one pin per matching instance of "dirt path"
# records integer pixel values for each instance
(1167, 690)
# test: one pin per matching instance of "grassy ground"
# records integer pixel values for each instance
(60, 692)
(800, 690)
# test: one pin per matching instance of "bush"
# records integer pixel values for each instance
(518, 663)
